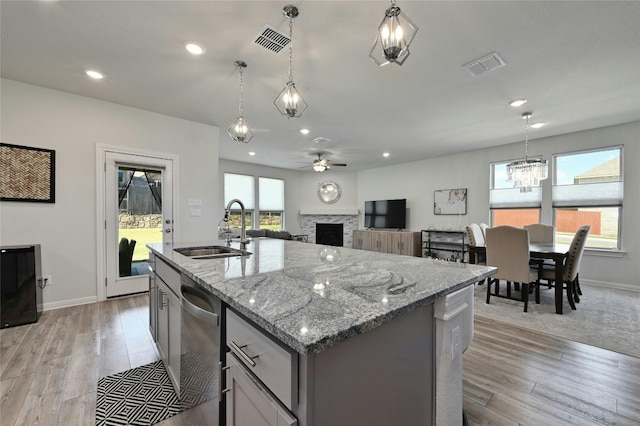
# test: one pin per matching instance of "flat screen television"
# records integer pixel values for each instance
(383, 214)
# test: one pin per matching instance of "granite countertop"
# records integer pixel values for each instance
(311, 296)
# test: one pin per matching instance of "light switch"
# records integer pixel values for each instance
(194, 203)
(196, 212)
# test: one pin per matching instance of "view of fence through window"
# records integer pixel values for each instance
(139, 211)
(587, 190)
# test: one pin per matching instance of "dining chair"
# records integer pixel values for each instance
(571, 266)
(483, 228)
(476, 238)
(540, 233)
(508, 249)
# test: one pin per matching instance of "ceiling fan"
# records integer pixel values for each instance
(321, 164)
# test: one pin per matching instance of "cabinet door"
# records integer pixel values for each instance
(174, 339)
(379, 241)
(153, 307)
(249, 402)
(362, 240)
(163, 319)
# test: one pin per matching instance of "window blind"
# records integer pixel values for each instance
(241, 187)
(271, 194)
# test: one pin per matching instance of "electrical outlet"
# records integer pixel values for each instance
(46, 280)
(456, 344)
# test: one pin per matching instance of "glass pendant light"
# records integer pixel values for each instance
(395, 34)
(289, 102)
(239, 130)
(527, 173)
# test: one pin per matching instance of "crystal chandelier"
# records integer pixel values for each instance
(527, 173)
(395, 34)
(239, 130)
(289, 102)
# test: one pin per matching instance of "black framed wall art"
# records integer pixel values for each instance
(27, 174)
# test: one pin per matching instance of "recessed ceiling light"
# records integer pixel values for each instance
(194, 48)
(94, 74)
(305, 131)
(251, 153)
(385, 154)
(517, 103)
(320, 139)
(536, 125)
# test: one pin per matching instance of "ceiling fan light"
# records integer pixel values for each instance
(319, 167)
(395, 34)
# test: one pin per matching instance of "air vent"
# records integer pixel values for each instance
(486, 64)
(272, 39)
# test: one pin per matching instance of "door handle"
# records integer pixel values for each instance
(167, 230)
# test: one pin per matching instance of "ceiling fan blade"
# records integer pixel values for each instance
(339, 164)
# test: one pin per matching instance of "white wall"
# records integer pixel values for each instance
(416, 181)
(301, 189)
(73, 126)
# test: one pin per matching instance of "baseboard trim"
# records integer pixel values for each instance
(68, 303)
(617, 286)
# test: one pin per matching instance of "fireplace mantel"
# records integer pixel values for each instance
(328, 212)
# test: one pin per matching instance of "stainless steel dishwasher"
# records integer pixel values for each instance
(200, 347)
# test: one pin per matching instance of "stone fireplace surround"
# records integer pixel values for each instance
(348, 218)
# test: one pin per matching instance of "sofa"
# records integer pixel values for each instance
(256, 233)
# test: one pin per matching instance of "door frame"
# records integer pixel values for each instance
(101, 214)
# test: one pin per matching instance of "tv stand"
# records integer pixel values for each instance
(384, 241)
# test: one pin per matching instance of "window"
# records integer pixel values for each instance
(588, 190)
(508, 205)
(270, 206)
(271, 203)
(241, 187)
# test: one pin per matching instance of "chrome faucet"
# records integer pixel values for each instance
(243, 229)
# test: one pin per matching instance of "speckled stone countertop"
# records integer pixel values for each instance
(312, 296)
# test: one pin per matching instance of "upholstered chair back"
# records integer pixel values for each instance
(540, 233)
(508, 249)
(572, 264)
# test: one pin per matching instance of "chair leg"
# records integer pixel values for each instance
(570, 295)
(489, 281)
(537, 290)
(525, 295)
(578, 285)
(574, 291)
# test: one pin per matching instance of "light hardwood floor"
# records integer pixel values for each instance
(512, 376)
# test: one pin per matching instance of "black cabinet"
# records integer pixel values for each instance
(445, 244)
(20, 279)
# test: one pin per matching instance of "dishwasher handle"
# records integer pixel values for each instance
(196, 311)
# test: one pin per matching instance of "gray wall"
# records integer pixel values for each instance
(416, 181)
(73, 126)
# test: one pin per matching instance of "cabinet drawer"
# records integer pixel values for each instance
(274, 365)
(170, 276)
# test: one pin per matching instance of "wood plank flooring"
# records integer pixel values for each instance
(512, 376)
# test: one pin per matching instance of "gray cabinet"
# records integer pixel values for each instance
(167, 318)
(249, 402)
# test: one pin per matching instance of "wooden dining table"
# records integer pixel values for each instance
(553, 251)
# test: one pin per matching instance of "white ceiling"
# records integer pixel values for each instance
(578, 63)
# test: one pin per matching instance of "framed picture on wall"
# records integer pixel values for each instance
(450, 201)
(27, 174)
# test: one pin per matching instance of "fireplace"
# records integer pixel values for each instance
(330, 234)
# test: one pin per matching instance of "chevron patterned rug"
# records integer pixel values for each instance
(141, 396)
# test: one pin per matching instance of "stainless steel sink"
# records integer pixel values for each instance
(211, 252)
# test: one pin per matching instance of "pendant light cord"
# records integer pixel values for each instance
(290, 48)
(240, 103)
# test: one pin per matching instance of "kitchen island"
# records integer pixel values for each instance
(355, 333)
